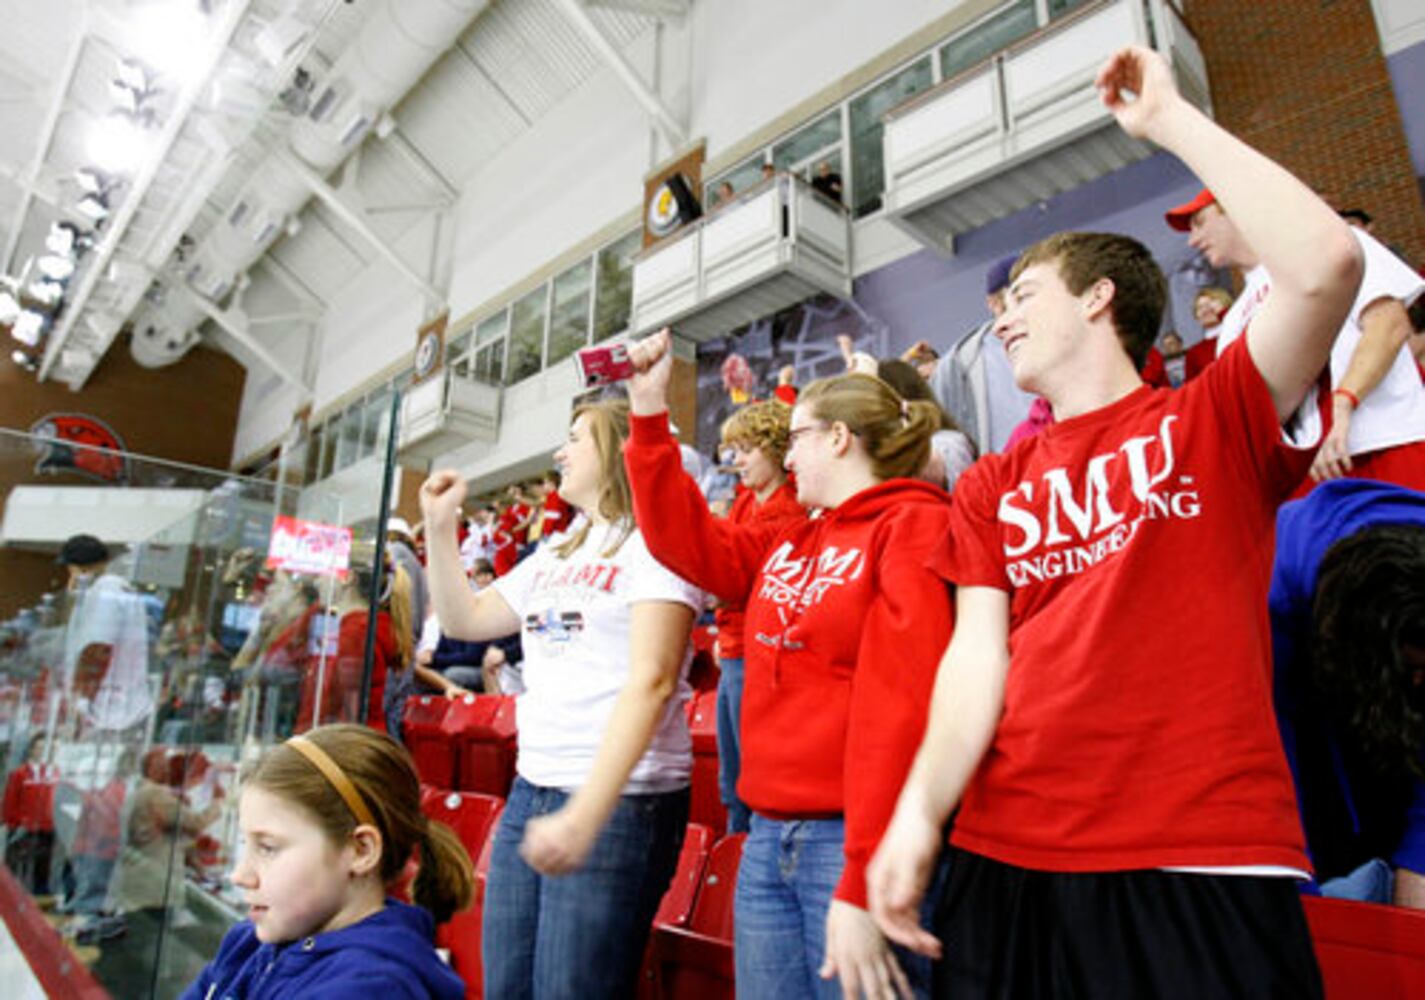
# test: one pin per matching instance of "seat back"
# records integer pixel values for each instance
(677, 905)
(483, 730)
(461, 935)
(712, 911)
(433, 753)
(469, 814)
(1367, 950)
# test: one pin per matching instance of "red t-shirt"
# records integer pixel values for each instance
(1126, 742)
(557, 515)
(780, 506)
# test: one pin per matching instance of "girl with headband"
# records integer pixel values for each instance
(328, 820)
(590, 836)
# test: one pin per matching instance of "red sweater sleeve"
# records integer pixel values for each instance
(904, 635)
(10, 813)
(679, 530)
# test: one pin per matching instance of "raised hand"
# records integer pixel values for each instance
(652, 359)
(1137, 85)
(441, 496)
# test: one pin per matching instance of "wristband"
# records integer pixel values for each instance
(1355, 400)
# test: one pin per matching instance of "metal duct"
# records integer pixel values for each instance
(397, 45)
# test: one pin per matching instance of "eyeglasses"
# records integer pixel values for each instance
(797, 432)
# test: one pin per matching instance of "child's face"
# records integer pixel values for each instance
(294, 881)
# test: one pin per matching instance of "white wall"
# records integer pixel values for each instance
(580, 168)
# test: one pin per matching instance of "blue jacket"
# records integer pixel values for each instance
(388, 954)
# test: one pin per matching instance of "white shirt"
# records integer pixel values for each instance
(1391, 414)
(576, 616)
(108, 613)
(478, 544)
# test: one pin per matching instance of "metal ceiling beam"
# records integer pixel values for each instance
(666, 9)
(133, 200)
(354, 218)
(236, 326)
(665, 120)
(56, 108)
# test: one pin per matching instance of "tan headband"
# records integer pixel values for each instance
(322, 761)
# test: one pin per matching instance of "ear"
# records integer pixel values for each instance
(840, 438)
(365, 849)
(1097, 298)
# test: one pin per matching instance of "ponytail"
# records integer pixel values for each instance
(445, 882)
(895, 433)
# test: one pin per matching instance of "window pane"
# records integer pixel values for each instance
(328, 457)
(613, 300)
(569, 322)
(1057, 7)
(983, 40)
(526, 336)
(349, 442)
(377, 422)
(867, 164)
(741, 177)
(817, 136)
(490, 363)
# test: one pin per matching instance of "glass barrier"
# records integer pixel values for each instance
(160, 625)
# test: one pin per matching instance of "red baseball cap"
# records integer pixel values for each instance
(1180, 218)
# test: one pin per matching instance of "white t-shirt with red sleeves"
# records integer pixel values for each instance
(1125, 742)
(1391, 414)
(576, 616)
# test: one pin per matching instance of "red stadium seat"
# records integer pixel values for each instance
(695, 962)
(1367, 950)
(469, 814)
(677, 905)
(461, 935)
(432, 750)
(707, 808)
(482, 728)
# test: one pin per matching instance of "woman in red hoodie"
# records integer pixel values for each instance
(846, 617)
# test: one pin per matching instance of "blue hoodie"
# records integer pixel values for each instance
(389, 952)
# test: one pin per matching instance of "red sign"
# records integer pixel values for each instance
(309, 547)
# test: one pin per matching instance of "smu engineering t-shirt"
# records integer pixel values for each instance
(1135, 543)
(576, 615)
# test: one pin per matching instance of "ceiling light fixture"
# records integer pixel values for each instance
(9, 308)
(92, 206)
(56, 267)
(47, 292)
(61, 239)
(28, 326)
(92, 181)
(169, 39)
(118, 143)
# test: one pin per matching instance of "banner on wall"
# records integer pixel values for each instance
(309, 547)
(81, 444)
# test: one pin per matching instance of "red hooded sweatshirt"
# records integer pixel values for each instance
(780, 507)
(846, 620)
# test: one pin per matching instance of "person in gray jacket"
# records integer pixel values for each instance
(973, 382)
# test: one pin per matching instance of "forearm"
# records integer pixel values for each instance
(625, 740)
(432, 678)
(675, 521)
(1292, 231)
(1385, 329)
(964, 711)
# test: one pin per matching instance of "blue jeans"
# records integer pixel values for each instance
(788, 874)
(91, 882)
(582, 934)
(729, 744)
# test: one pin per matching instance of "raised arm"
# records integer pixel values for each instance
(462, 613)
(559, 843)
(672, 513)
(964, 710)
(1314, 262)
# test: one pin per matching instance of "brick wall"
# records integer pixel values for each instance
(1305, 81)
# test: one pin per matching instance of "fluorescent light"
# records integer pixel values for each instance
(91, 180)
(48, 292)
(93, 207)
(170, 38)
(133, 75)
(28, 326)
(117, 143)
(60, 239)
(125, 96)
(56, 267)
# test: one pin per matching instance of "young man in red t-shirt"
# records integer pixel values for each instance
(1127, 824)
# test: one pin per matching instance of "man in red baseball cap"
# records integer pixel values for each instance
(1377, 399)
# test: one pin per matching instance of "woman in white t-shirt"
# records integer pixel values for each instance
(590, 836)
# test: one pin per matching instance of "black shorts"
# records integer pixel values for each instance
(1014, 933)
